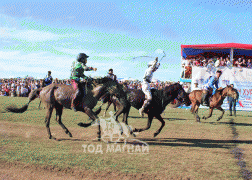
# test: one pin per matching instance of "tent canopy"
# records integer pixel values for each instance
(214, 49)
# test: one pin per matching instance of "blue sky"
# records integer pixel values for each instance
(38, 36)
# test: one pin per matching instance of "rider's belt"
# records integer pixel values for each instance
(147, 80)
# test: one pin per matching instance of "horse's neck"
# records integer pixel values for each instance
(97, 91)
(167, 97)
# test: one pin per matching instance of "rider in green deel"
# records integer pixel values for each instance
(78, 68)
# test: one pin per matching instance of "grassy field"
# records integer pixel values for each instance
(184, 149)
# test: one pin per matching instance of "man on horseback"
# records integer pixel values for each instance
(111, 75)
(48, 79)
(77, 73)
(152, 67)
(210, 85)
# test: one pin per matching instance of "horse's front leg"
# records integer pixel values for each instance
(162, 124)
(219, 118)
(210, 113)
(150, 118)
(125, 120)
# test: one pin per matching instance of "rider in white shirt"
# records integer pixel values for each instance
(152, 67)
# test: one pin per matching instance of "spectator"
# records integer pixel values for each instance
(222, 62)
(249, 64)
(24, 90)
(48, 79)
(232, 104)
(217, 63)
(239, 63)
(243, 64)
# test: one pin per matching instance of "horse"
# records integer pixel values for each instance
(215, 101)
(110, 100)
(60, 95)
(160, 99)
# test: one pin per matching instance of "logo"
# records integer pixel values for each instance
(116, 139)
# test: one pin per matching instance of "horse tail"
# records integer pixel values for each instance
(33, 95)
(188, 100)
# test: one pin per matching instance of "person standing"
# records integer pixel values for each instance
(48, 79)
(111, 75)
(232, 103)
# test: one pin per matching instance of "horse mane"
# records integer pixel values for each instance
(172, 88)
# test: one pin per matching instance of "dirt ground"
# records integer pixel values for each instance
(23, 171)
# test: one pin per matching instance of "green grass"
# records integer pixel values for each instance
(184, 148)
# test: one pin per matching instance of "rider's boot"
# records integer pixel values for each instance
(75, 100)
(145, 104)
(205, 99)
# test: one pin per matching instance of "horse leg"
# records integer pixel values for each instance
(125, 120)
(47, 121)
(210, 114)
(39, 104)
(193, 108)
(196, 112)
(91, 114)
(117, 114)
(163, 124)
(109, 103)
(114, 107)
(150, 118)
(59, 110)
(219, 118)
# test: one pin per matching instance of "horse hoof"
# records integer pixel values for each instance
(133, 134)
(155, 134)
(218, 119)
(70, 135)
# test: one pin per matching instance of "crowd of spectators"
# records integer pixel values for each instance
(241, 62)
(21, 87)
(137, 84)
(218, 62)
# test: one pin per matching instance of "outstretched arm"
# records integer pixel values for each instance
(155, 65)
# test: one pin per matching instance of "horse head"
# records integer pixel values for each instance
(183, 96)
(230, 91)
(110, 86)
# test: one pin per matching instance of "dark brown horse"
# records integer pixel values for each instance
(58, 96)
(161, 98)
(215, 102)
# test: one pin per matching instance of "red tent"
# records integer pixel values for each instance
(225, 48)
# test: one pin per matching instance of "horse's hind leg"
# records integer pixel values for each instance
(109, 103)
(163, 124)
(47, 120)
(196, 112)
(219, 118)
(150, 118)
(91, 114)
(59, 110)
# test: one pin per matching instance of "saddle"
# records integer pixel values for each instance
(207, 96)
(156, 99)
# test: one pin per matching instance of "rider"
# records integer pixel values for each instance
(77, 73)
(111, 75)
(48, 79)
(211, 84)
(152, 67)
